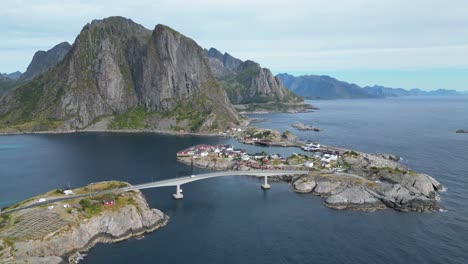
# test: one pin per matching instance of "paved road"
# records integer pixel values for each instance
(165, 183)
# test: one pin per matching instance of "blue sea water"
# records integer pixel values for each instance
(231, 220)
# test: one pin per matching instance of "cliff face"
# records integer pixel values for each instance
(115, 66)
(247, 82)
(44, 60)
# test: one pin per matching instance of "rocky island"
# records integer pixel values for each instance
(302, 127)
(462, 131)
(346, 179)
(59, 231)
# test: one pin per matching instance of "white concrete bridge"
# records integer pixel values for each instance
(183, 180)
(177, 182)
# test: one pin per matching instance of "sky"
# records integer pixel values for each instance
(399, 43)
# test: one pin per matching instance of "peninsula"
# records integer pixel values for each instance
(347, 179)
(57, 232)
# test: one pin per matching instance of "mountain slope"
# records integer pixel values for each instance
(44, 60)
(6, 84)
(118, 68)
(247, 82)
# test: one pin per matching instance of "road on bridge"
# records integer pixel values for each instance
(169, 182)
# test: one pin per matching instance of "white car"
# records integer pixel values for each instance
(193, 176)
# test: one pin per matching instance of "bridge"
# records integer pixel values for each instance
(177, 182)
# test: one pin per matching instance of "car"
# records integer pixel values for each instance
(193, 176)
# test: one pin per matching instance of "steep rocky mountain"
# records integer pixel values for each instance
(322, 87)
(44, 60)
(326, 87)
(127, 75)
(247, 82)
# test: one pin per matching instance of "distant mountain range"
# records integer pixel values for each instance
(326, 87)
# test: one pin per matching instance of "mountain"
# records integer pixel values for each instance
(246, 82)
(44, 60)
(321, 87)
(14, 75)
(127, 75)
(325, 87)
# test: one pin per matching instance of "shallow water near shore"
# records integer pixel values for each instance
(231, 220)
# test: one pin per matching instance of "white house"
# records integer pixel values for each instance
(309, 164)
(68, 192)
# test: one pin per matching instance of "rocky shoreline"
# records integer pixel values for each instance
(59, 232)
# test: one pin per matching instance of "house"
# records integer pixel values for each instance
(258, 156)
(309, 164)
(108, 202)
(68, 192)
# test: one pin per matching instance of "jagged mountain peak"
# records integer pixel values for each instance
(43, 60)
(116, 66)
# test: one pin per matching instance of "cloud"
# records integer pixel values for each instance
(295, 35)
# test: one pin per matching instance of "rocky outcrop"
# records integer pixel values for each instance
(44, 60)
(107, 227)
(350, 191)
(246, 82)
(356, 198)
(462, 131)
(117, 67)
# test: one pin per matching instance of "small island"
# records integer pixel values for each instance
(347, 179)
(462, 131)
(303, 127)
(57, 232)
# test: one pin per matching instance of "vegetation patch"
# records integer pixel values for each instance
(133, 119)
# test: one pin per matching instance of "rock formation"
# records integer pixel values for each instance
(246, 82)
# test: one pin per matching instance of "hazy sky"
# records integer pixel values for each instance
(397, 43)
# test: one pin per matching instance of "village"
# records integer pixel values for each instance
(227, 157)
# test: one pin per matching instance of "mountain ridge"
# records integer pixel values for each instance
(326, 87)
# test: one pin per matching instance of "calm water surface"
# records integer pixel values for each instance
(231, 220)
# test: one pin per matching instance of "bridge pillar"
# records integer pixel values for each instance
(265, 185)
(178, 194)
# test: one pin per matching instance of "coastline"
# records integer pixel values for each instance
(116, 131)
(107, 239)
